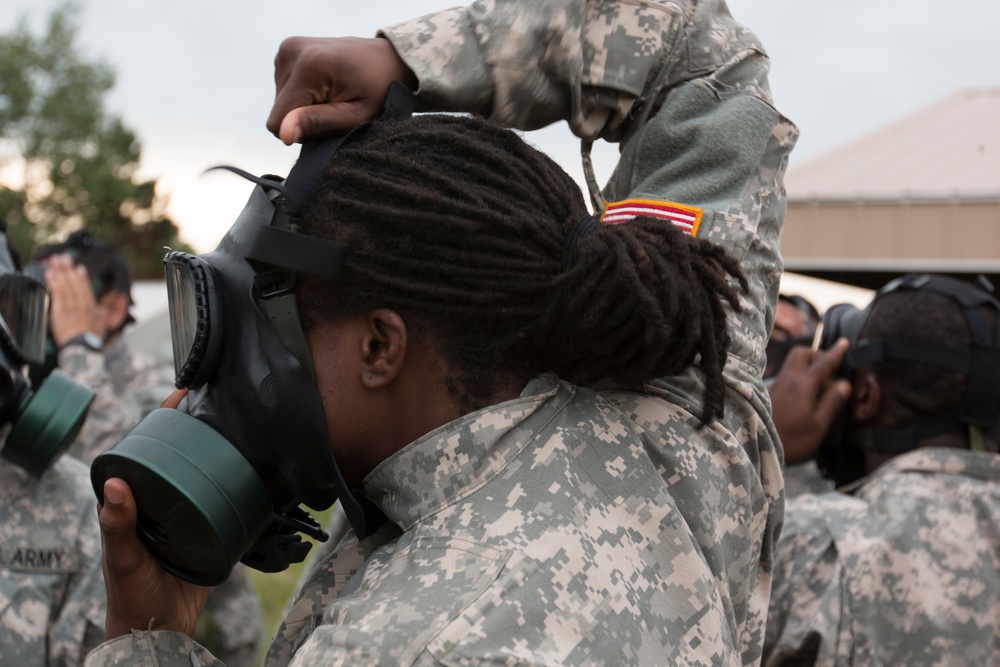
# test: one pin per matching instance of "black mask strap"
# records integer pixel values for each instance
(279, 246)
(286, 249)
(316, 153)
(904, 437)
(888, 349)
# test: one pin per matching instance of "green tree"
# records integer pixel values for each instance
(68, 162)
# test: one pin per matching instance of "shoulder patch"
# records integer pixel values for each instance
(687, 218)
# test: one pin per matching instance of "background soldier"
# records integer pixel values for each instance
(899, 567)
(52, 601)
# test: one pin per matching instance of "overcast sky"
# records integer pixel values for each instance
(195, 77)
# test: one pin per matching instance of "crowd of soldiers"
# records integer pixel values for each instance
(839, 502)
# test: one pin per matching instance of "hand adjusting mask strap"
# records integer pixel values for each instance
(221, 479)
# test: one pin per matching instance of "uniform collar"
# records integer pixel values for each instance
(978, 465)
(454, 460)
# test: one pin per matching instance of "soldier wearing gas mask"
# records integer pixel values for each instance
(52, 600)
(900, 565)
(90, 298)
(414, 322)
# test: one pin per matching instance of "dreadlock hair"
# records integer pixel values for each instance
(462, 227)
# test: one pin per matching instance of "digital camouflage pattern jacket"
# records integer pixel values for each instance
(904, 570)
(52, 600)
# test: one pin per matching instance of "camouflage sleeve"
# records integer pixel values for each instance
(804, 613)
(683, 87)
(110, 415)
(583, 62)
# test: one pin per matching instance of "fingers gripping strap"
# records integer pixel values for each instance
(316, 154)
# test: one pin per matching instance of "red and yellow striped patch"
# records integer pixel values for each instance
(688, 218)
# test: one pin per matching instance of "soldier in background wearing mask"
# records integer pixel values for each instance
(52, 600)
(901, 565)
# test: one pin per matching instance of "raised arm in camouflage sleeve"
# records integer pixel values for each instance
(606, 67)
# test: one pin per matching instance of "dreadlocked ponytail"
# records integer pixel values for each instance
(465, 229)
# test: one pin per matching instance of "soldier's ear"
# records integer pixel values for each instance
(866, 398)
(384, 347)
(114, 306)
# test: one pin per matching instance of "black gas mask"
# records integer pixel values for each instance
(221, 479)
(38, 422)
(841, 454)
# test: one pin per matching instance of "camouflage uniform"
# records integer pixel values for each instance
(803, 478)
(51, 588)
(571, 526)
(137, 377)
(903, 570)
(111, 414)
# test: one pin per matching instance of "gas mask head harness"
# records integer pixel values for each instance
(840, 454)
(38, 422)
(221, 479)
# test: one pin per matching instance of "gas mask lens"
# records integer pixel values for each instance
(24, 305)
(195, 317)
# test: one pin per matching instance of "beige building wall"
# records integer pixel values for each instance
(962, 234)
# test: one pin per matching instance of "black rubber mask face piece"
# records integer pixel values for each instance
(220, 480)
